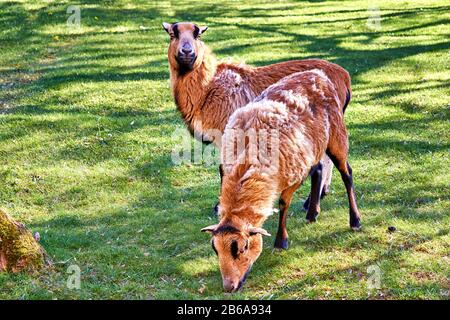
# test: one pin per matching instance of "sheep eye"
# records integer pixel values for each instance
(196, 32)
(234, 249)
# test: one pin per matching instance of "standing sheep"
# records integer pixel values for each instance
(207, 92)
(268, 149)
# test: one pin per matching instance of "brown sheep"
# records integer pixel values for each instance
(299, 122)
(207, 92)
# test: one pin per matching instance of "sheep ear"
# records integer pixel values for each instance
(210, 229)
(167, 26)
(253, 230)
(203, 29)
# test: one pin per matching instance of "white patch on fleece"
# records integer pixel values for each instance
(235, 86)
(299, 100)
(304, 146)
(265, 212)
(273, 109)
(264, 107)
(314, 87)
(229, 78)
(322, 74)
(280, 85)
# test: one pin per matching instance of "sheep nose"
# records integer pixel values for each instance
(229, 285)
(186, 50)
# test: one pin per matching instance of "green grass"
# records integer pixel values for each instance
(85, 149)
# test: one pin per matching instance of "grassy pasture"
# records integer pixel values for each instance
(86, 119)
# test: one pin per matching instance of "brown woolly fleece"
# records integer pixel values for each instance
(302, 111)
(269, 147)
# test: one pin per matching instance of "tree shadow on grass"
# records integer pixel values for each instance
(366, 133)
(354, 60)
(359, 272)
(348, 58)
(341, 239)
(315, 244)
(146, 238)
(98, 139)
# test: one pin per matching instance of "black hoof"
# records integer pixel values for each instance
(311, 217)
(282, 244)
(325, 191)
(356, 225)
(310, 221)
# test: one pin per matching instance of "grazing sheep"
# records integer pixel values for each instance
(207, 92)
(269, 148)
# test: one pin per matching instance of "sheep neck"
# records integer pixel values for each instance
(190, 89)
(250, 201)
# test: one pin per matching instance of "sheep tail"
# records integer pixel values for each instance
(347, 100)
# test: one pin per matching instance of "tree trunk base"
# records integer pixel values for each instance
(19, 250)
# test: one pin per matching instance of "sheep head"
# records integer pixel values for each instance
(237, 250)
(186, 50)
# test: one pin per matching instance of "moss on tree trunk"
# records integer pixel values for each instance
(19, 250)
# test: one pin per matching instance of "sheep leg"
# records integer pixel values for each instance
(340, 161)
(306, 204)
(316, 184)
(327, 173)
(216, 207)
(281, 240)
